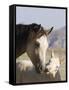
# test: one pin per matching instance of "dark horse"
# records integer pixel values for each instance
(32, 39)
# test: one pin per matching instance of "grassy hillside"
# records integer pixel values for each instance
(57, 38)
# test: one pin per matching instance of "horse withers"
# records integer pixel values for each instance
(32, 39)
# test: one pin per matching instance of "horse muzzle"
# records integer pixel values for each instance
(39, 69)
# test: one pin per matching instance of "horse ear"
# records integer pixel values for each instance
(36, 27)
(39, 25)
(52, 54)
(49, 31)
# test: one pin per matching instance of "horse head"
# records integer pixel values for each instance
(37, 45)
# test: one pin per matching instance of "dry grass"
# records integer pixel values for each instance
(59, 52)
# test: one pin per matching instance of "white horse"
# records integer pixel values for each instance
(26, 72)
(53, 65)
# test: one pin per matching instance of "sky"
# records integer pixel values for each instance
(47, 17)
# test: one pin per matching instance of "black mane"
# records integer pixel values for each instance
(22, 33)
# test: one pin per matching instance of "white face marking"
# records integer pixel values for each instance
(42, 49)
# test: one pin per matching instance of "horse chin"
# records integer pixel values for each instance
(39, 71)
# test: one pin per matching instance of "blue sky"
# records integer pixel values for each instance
(45, 16)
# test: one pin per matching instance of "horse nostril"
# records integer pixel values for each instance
(39, 68)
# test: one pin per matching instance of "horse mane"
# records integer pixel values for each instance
(23, 32)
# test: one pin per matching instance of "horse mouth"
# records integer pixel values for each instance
(39, 69)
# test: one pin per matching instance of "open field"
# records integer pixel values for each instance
(20, 76)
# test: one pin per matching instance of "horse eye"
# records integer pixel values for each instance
(37, 45)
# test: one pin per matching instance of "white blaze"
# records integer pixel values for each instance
(42, 49)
